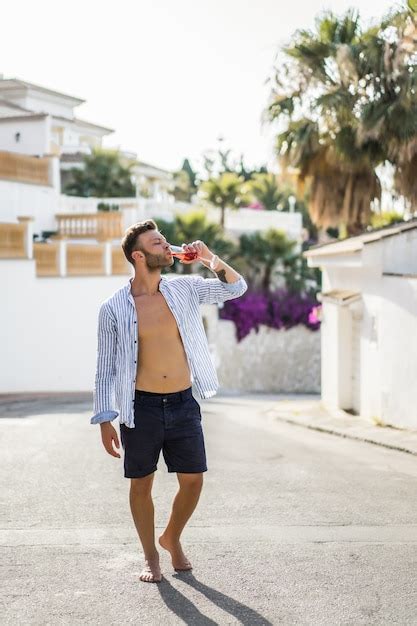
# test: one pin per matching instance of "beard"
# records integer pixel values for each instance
(156, 261)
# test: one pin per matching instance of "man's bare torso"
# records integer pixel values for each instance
(162, 364)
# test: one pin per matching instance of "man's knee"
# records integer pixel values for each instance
(142, 487)
(190, 481)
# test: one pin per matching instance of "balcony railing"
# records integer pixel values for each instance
(16, 239)
(60, 258)
(25, 169)
(86, 260)
(47, 258)
(102, 226)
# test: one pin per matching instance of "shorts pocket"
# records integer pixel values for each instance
(195, 408)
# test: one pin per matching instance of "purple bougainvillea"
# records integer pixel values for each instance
(281, 309)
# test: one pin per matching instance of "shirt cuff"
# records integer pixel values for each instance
(239, 286)
(103, 416)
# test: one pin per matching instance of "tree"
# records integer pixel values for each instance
(390, 116)
(330, 94)
(386, 218)
(194, 225)
(185, 183)
(298, 276)
(216, 162)
(247, 173)
(224, 191)
(265, 189)
(103, 176)
(168, 229)
(262, 253)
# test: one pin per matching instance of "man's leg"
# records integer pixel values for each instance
(185, 502)
(141, 505)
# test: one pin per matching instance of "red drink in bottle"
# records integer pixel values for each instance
(180, 254)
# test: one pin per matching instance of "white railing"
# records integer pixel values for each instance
(75, 204)
(99, 225)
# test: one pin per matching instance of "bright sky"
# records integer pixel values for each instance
(170, 76)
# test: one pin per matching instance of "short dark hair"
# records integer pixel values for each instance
(130, 238)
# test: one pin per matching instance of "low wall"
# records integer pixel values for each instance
(48, 330)
(36, 201)
(281, 361)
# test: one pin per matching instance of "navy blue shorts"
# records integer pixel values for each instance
(170, 422)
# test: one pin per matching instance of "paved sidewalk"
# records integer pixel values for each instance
(308, 411)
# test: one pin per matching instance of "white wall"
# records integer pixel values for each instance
(31, 200)
(400, 253)
(34, 136)
(398, 352)
(334, 366)
(236, 222)
(48, 329)
(388, 342)
(249, 220)
(43, 103)
(48, 339)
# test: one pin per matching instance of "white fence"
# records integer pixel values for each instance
(44, 203)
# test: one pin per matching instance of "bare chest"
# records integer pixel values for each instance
(154, 317)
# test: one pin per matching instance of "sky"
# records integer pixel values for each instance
(169, 76)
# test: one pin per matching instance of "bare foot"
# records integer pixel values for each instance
(151, 573)
(179, 560)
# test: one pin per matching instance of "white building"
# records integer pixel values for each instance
(369, 327)
(38, 121)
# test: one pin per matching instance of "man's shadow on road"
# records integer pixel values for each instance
(187, 611)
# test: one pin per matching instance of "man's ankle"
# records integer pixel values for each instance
(151, 555)
(173, 537)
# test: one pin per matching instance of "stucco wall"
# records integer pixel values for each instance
(388, 333)
(34, 136)
(48, 328)
(397, 338)
(30, 200)
(282, 361)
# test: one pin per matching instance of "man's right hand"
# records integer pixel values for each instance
(108, 435)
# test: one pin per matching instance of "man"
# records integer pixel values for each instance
(151, 347)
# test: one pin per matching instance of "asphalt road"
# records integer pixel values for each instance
(293, 526)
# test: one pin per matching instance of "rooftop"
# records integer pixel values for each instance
(357, 242)
(13, 84)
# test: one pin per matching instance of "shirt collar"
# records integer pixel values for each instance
(162, 284)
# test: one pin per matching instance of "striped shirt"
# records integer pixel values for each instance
(118, 342)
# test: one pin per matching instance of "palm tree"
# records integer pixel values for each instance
(185, 183)
(194, 225)
(265, 189)
(324, 95)
(224, 191)
(262, 253)
(391, 116)
(104, 176)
